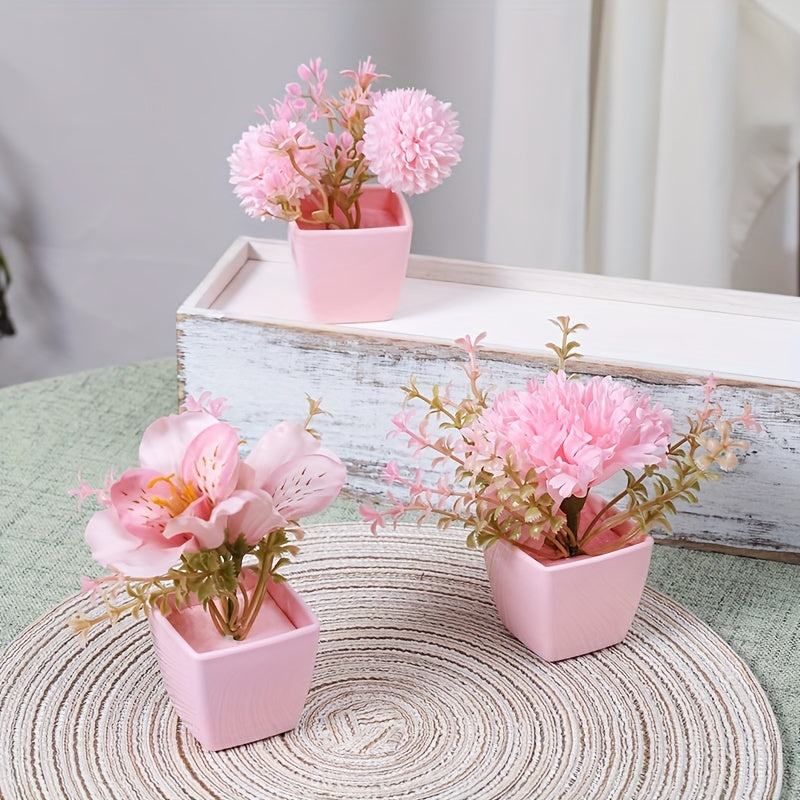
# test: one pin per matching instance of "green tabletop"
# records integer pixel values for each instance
(90, 424)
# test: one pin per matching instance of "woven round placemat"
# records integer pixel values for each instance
(418, 692)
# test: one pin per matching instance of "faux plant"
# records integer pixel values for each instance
(194, 518)
(527, 465)
(282, 167)
(6, 326)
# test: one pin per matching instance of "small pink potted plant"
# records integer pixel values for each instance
(567, 565)
(349, 239)
(196, 539)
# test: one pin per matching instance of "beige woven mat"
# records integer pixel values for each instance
(418, 692)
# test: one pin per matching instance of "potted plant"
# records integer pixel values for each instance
(567, 563)
(349, 239)
(196, 539)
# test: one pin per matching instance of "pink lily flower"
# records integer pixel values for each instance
(189, 466)
(192, 490)
(300, 475)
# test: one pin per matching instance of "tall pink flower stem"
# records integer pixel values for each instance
(256, 599)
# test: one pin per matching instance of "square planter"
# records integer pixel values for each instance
(355, 275)
(562, 609)
(232, 692)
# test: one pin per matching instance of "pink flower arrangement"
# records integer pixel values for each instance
(179, 526)
(526, 464)
(573, 434)
(406, 139)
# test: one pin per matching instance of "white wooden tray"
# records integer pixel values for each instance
(243, 334)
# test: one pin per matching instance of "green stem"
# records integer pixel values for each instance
(468, 521)
(438, 408)
(591, 531)
(616, 519)
(256, 599)
(572, 506)
(618, 544)
(537, 553)
(232, 610)
(318, 186)
(217, 619)
(562, 357)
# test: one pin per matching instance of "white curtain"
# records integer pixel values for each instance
(689, 113)
(696, 122)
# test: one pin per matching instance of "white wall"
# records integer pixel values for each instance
(116, 119)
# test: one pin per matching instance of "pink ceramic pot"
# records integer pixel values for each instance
(562, 609)
(227, 692)
(355, 275)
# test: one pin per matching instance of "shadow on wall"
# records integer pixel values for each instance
(29, 300)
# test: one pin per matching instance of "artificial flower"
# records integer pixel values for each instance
(180, 524)
(411, 141)
(573, 434)
(188, 466)
(300, 475)
(527, 466)
(274, 166)
(405, 138)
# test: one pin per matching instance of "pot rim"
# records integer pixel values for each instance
(403, 212)
(558, 564)
(166, 628)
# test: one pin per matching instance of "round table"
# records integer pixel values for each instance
(55, 432)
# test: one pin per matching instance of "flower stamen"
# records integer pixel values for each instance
(181, 495)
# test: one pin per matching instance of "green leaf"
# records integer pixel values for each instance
(555, 348)
(532, 514)
(206, 590)
(280, 564)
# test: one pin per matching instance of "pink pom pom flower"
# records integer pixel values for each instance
(274, 166)
(411, 141)
(574, 434)
(530, 466)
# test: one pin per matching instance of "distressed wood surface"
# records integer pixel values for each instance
(265, 372)
(651, 324)
(265, 366)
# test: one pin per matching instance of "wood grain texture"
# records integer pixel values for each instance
(265, 369)
(653, 325)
